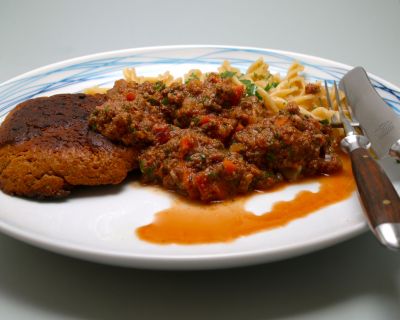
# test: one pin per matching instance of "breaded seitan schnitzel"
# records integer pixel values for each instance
(46, 148)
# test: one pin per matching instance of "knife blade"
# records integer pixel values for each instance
(377, 119)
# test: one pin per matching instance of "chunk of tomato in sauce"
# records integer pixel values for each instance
(185, 145)
(238, 94)
(130, 96)
(229, 166)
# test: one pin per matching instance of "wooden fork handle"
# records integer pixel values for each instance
(380, 199)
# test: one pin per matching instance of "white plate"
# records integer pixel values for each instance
(99, 225)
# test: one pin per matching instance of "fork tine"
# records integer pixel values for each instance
(347, 125)
(327, 95)
(335, 121)
(354, 121)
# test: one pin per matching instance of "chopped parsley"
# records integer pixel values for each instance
(267, 174)
(270, 157)
(146, 170)
(227, 74)
(250, 87)
(290, 152)
(212, 175)
(165, 101)
(159, 85)
(271, 85)
(132, 130)
(324, 122)
(196, 120)
(126, 107)
(205, 100)
(191, 77)
(153, 101)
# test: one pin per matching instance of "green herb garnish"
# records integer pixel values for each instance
(290, 152)
(196, 120)
(126, 107)
(153, 101)
(132, 130)
(159, 85)
(191, 77)
(267, 174)
(227, 74)
(251, 87)
(270, 157)
(324, 122)
(212, 175)
(271, 85)
(165, 101)
(142, 165)
(146, 170)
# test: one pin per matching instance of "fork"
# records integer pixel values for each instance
(378, 196)
(335, 121)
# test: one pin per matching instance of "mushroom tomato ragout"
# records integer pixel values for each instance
(213, 138)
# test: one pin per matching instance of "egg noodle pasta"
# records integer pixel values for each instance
(274, 91)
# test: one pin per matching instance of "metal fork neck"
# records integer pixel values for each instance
(353, 142)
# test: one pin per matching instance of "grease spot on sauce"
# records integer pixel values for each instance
(187, 222)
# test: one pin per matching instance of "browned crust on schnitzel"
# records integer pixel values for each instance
(46, 148)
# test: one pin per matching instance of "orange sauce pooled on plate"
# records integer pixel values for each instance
(193, 223)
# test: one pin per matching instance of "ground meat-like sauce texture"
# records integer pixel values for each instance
(209, 140)
(200, 167)
(288, 143)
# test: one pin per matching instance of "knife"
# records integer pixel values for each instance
(378, 120)
(382, 127)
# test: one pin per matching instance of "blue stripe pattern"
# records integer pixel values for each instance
(103, 71)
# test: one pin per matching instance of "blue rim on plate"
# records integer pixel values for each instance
(98, 67)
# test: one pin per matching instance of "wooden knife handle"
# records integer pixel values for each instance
(380, 199)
